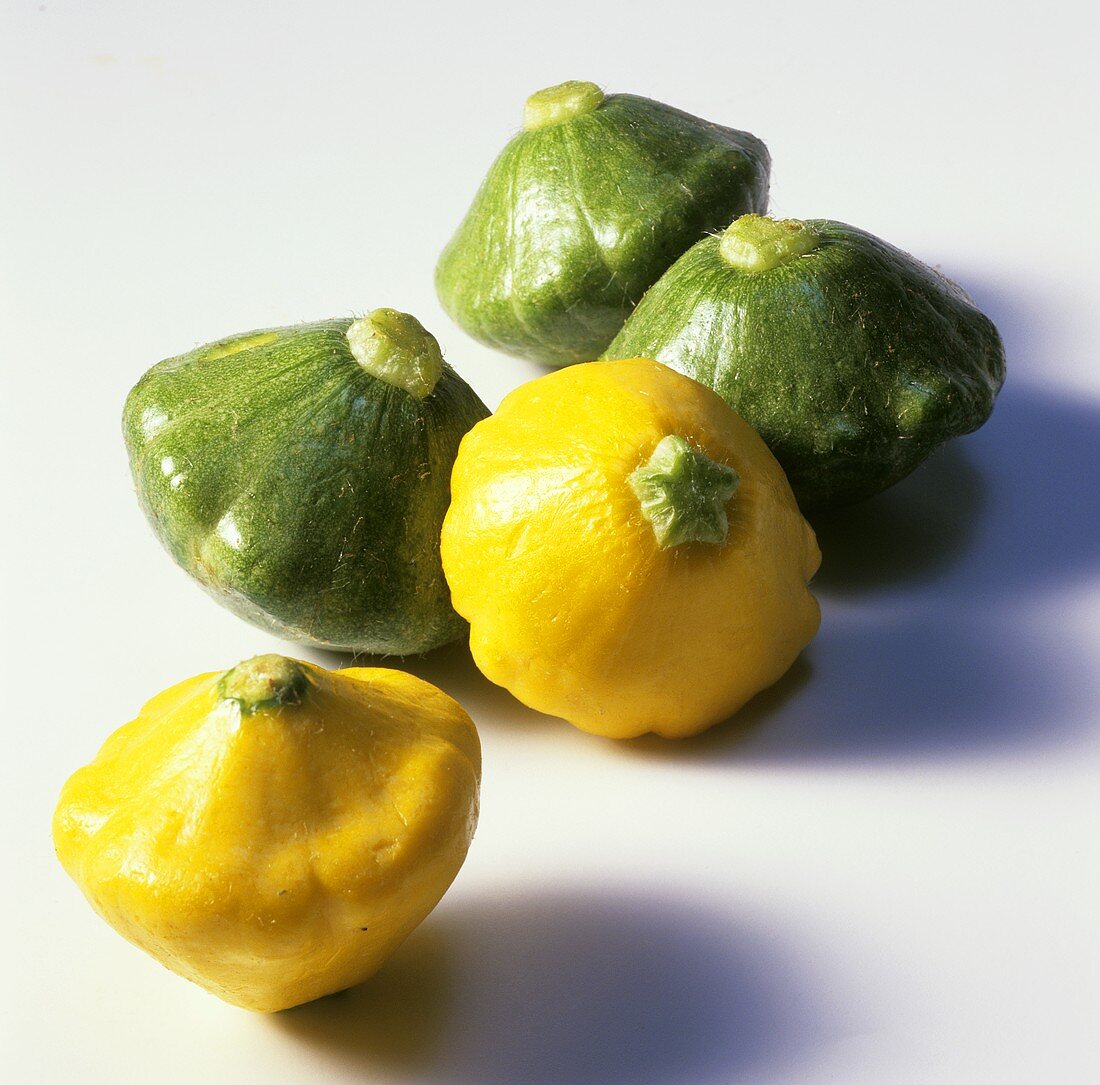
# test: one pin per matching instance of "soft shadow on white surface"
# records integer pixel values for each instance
(903, 691)
(395, 1021)
(574, 987)
(1012, 509)
(910, 534)
(1002, 516)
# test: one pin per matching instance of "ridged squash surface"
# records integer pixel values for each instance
(853, 360)
(627, 551)
(280, 851)
(301, 490)
(579, 216)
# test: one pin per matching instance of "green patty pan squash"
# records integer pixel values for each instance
(852, 360)
(273, 833)
(583, 211)
(301, 475)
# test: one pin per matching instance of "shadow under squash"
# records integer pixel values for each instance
(572, 988)
(1011, 508)
(395, 1019)
(911, 532)
(921, 687)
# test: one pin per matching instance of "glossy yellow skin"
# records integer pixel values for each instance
(276, 857)
(572, 603)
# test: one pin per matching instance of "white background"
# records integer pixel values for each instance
(887, 869)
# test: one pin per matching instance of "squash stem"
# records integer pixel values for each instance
(683, 493)
(758, 243)
(553, 105)
(264, 682)
(396, 348)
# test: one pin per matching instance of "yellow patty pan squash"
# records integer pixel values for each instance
(275, 832)
(627, 551)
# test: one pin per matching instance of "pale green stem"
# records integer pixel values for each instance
(396, 348)
(563, 102)
(757, 243)
(264, 682)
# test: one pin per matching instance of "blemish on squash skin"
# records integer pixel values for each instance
(235, 346)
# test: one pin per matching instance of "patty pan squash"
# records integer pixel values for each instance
(853, 360)
(301, 475)
(583, 210)
(627, 551)
(273, 833)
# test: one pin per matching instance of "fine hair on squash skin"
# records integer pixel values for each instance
(582, 211)
(852, 359)
(301, 476)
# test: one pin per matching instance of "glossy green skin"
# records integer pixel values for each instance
(854, 361)
(303, 493)
(576, 220)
